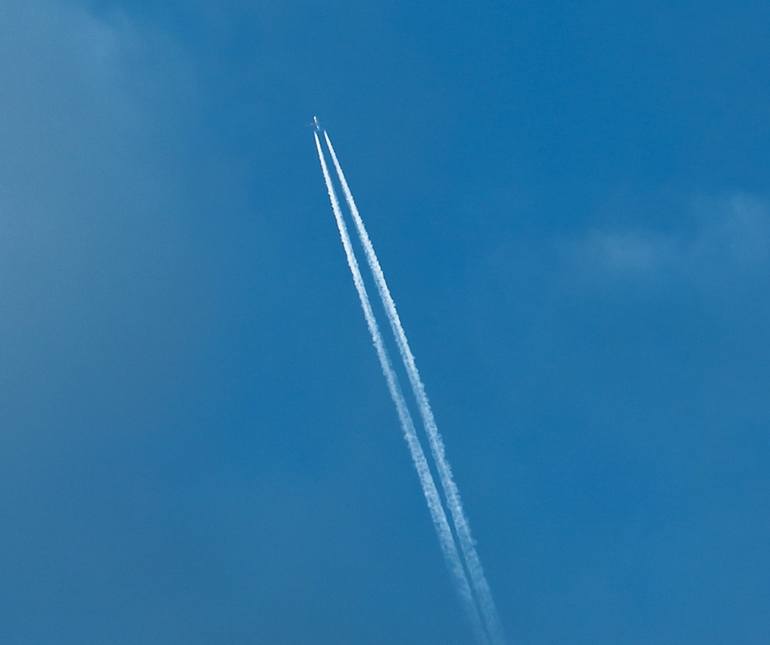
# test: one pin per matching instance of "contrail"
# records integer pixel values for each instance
(462, 527)
(446, 540)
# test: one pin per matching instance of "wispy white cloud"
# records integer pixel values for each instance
(93, 197)
(729, 234)
(624, 251)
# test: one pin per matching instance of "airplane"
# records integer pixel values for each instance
(316, 125)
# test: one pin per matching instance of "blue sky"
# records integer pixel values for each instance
(571, 204)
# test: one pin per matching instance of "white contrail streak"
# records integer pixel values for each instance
(429, 489)
(462, 527)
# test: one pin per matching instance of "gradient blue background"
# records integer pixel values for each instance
(572, 203)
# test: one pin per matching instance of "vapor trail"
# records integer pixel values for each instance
(441, 525)
(451, 492)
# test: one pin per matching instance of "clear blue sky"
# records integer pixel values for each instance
(572, 204)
